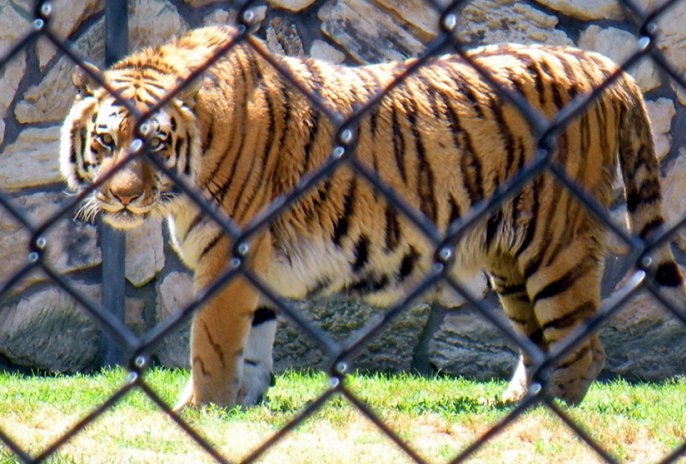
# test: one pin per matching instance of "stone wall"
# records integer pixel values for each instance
(42, 327)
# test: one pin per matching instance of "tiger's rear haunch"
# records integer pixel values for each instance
(443, 139)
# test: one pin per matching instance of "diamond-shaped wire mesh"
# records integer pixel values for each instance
(345, 123)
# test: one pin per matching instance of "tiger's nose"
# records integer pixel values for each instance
(125, 199)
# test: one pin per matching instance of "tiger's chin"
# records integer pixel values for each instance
(124, 219)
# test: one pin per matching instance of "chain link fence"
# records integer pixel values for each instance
(344, 154)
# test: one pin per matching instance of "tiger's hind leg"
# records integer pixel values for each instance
(565, 290)
(511, 290)
(258, 362)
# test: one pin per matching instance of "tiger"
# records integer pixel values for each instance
(244, 134)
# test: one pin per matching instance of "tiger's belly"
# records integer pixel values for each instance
(316, 267)
(320, 268)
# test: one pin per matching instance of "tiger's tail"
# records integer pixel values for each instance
(641, 173)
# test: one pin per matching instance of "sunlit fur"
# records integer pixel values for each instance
(444, 139)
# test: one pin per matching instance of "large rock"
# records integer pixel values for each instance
(661, 112)
(48, 330)
(493, 21)
(70, 245)
(174, 292)
(392, 350)
(144, 252)
(642, 341)
(619, 45)
(467, 344)
(367, 33)
(9, 82)
(32, 160)
(586, 9)
(65, 17)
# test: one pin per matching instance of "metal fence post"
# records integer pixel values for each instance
(113, 240)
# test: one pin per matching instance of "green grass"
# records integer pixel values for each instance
(438, 417)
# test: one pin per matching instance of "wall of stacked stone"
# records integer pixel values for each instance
(43, 328)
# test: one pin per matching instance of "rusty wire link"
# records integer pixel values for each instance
(343, 154)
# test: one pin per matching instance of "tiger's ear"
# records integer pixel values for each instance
(187, 95)
(83, 81)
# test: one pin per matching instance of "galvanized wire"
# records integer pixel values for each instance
(343, 154)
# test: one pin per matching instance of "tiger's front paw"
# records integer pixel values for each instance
(257, 378)
(186, 398)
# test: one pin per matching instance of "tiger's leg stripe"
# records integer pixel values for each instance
(211, 244)
(569, 362)
(572, 318)
(216, 347)
(509, 290)
(566, 281)
(341, 224)
(198, 360)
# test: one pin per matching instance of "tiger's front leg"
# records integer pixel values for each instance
(220, 332)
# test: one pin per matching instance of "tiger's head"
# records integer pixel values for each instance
(102, 142)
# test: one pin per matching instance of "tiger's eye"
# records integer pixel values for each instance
(106, 139)
(155, 142)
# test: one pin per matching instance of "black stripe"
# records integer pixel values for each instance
(492, 226)
(340, 228)
(392, 235)
(197, 220)
(425, 177)
(668, 275)
(466, 88)
(650, 227)
(454, 210)
(313, 129)
(398, 145)
(582, 311)
(263, 314)
(367, 284)
(471, 169)
(566, 281)
(361, 254)
(268, 147)
(539, 83)
(320, 285)
(407, 264)
(649, 191)
(569, 362)
(211, 245)
(187, 169)
(496, 106)
(507, 290)
(208, 138)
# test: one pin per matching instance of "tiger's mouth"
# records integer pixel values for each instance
(115, 213)
(125, 218)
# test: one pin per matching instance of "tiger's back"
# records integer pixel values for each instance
(443, 139)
